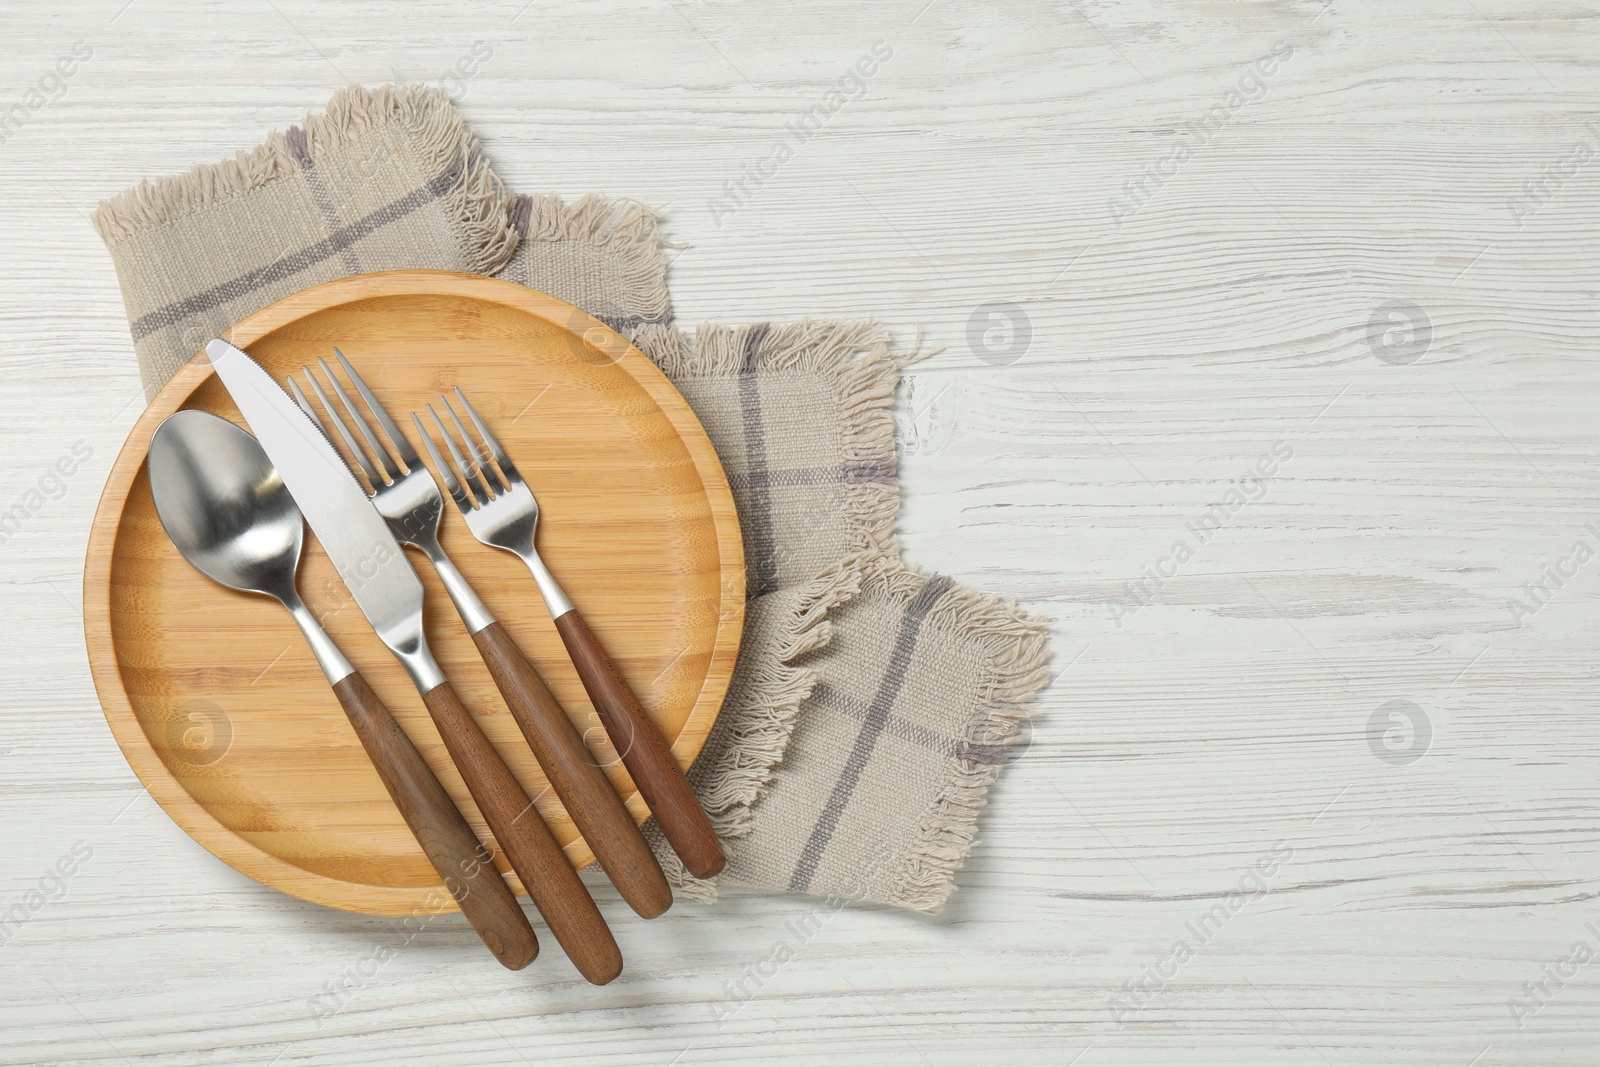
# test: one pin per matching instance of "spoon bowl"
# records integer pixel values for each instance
(224, 506)
(227, 511)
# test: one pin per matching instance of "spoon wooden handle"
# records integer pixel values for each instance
(644, 751)
(454, 850)
(550, 880)
(578, 781)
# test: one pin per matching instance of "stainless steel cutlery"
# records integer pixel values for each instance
(369, 559)
(407, 497)
(227, 511)
(236, 505)
(501, 511)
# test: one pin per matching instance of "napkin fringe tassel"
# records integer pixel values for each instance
(623, 228)
(863, 373)
(747, 766)
(1015, 671)
(477, 205)
(731, 784)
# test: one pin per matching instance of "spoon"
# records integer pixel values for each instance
(228, 512)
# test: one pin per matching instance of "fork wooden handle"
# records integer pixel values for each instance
(550, 880)
(644, 751)
(580, 783)
(449, 843)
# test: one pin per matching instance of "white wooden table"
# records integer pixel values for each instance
(1195, 273)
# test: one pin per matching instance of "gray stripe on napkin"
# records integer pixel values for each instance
(898, 726)
(761, 564)
(872, 473)
(878, 711)
(301, 150)
(287, 266)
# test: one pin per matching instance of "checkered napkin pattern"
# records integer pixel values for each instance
(872, 705)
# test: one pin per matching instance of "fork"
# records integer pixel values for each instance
(410, 502)
(501, 511)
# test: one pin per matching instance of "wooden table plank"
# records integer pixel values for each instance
(1425, 155)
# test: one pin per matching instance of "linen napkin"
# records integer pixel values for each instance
(872, 705)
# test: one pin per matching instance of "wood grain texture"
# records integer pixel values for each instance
(465, 867)
(519, 830)
(1174, 751)
(575, 775)
(223, 713)
(643, 750)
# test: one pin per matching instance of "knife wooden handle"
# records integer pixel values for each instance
(454, 850)
(550, 880)
(644, 751)
(578, 780)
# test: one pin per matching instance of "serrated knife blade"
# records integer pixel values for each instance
(355, 536)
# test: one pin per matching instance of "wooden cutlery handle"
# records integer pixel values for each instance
(578, 781)
(644, 751)
(454, 850)
(552, 883)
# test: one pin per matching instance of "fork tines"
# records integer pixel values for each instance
(481, 457)
(399, 448)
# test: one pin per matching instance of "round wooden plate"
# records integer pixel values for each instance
(215, 697)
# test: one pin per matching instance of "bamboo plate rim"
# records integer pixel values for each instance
(126, 727)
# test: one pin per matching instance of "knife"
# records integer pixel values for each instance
(389, 594)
